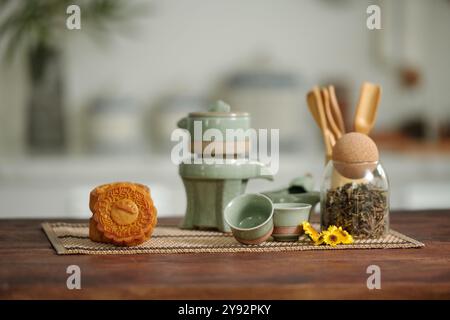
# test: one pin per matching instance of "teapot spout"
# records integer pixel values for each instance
(266, 173)
(263, 171)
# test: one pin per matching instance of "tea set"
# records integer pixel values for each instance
(354, 193)
(215, 191)
(216, 197)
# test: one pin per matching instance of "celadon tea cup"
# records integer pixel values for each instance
(250, 217)
(287, 220)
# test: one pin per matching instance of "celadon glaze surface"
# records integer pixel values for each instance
(230, 169)
(211, 183)
(210, 187)
(300, 190)
(219, 117)
(206, 200)
(291, 214)
(287, 219)
(250, 216)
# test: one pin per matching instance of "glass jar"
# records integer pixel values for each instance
(355, 196)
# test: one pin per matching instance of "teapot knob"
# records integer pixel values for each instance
(182, 123)
(220, 106)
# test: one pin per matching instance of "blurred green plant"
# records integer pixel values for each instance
(36, 31)
(32, 24)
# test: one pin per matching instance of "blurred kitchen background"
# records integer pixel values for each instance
(80, 108)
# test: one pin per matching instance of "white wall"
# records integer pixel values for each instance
(190, 44)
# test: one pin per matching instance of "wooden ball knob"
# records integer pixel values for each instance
(355, 154)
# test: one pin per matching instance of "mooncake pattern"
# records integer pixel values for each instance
(123, 214)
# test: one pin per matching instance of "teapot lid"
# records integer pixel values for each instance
(219, 109)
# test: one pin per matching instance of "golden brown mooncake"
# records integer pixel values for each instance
(122, 213)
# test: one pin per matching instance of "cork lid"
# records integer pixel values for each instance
(355, 147)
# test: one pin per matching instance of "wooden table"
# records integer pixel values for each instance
(29, 268)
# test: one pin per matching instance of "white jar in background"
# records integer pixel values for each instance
(115, 126)
(163, 116)
(274, 98)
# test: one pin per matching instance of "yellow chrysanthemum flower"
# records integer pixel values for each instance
(310, 231)
(346, 238)
(332, 237)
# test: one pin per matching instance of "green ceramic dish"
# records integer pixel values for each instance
(298, 191)
(250, 217)
(287, 219)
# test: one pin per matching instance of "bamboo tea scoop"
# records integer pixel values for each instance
(317, 109)
(330, 118)
(336, 110)
(312, 105)
(366, 111)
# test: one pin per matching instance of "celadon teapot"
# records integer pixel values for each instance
(217, 121)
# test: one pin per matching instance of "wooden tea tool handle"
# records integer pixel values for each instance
(323, 121)
(329, 116)
(336, 110)
(366, 111)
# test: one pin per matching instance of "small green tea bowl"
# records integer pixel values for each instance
(250, 217)
(287, 219)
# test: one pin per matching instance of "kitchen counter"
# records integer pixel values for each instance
(416, 182)
(30, 268)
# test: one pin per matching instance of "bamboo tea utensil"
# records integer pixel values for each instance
(366, 111)
(336, 110)
(331, 139)
(329, 116)
(312, 106)
(316, 108)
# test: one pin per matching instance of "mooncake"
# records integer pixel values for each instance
(122, 214)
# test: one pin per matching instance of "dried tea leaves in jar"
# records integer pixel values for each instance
(361, 209)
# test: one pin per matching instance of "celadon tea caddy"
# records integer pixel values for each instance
(210, 185)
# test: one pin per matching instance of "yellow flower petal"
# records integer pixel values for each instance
(319, 240)
(332, 228)
(310, 231)
(346, 238)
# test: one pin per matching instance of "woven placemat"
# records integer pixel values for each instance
(71, 238)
